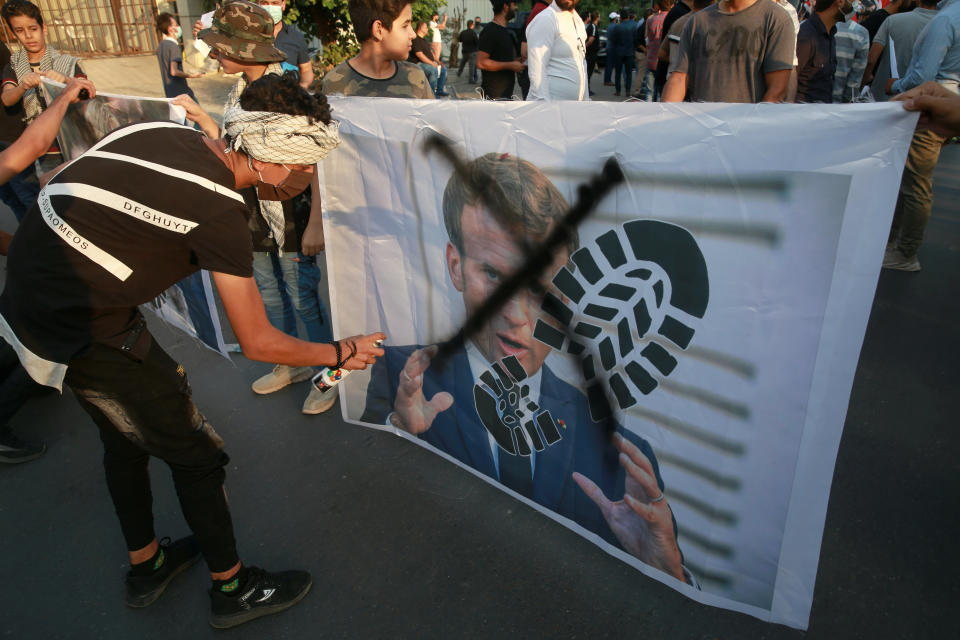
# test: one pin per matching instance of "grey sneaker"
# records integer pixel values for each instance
(319, 401)
(896, 260)
(280, 377)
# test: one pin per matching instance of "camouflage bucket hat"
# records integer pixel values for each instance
(243, 31)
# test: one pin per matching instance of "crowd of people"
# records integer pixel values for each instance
(80, 264)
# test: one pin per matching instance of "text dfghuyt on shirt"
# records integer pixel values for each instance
(145, 207)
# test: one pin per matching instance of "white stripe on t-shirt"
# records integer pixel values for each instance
(200, 181)
(122, 204)
(78, 242)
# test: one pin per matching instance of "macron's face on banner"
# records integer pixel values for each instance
(490, 254)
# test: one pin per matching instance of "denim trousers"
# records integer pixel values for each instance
(915, 199)
(437, 82)
(292, 278)
(20, 192)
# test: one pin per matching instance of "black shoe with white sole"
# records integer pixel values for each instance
(261, 594)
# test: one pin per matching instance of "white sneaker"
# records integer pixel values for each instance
(281, 376)
(319, 401)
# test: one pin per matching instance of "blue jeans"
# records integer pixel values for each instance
(296, 277)
(20, 192)
(436, 83)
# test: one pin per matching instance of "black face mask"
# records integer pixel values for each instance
(291, 186)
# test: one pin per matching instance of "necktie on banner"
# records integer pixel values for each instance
(516, 472)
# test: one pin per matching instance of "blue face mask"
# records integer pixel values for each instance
(275, 11)
(179, 33)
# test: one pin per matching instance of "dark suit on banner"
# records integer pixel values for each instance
(584, 447)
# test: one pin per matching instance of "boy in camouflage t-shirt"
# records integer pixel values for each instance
(380, 69)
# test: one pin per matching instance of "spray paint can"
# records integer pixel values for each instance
(329, 377)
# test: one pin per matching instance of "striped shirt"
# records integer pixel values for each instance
(142, 209)
(853, 45)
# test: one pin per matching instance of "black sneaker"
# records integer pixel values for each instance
(262, 594)
(13, 450)
(178, 557)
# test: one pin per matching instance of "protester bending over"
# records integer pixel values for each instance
(79, 266)
(34, 61)
(556, 54)
(381, 68)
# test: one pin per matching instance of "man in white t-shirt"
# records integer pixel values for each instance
(435, 28)
(556, 54)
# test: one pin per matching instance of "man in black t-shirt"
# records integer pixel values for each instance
(423, 52)
(497, 56)
(146, 206)
(469, 42)
(592, 26)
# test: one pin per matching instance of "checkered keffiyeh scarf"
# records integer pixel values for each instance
(52, 59)
(282, 139)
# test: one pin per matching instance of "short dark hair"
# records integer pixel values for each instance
(14, 8)
(498, 5)
(363, 13)
(822, 5)
(506, 183)
(163, 22)
(283, 94)
(702, 4)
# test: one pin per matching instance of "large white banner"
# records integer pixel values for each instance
(716, 301)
